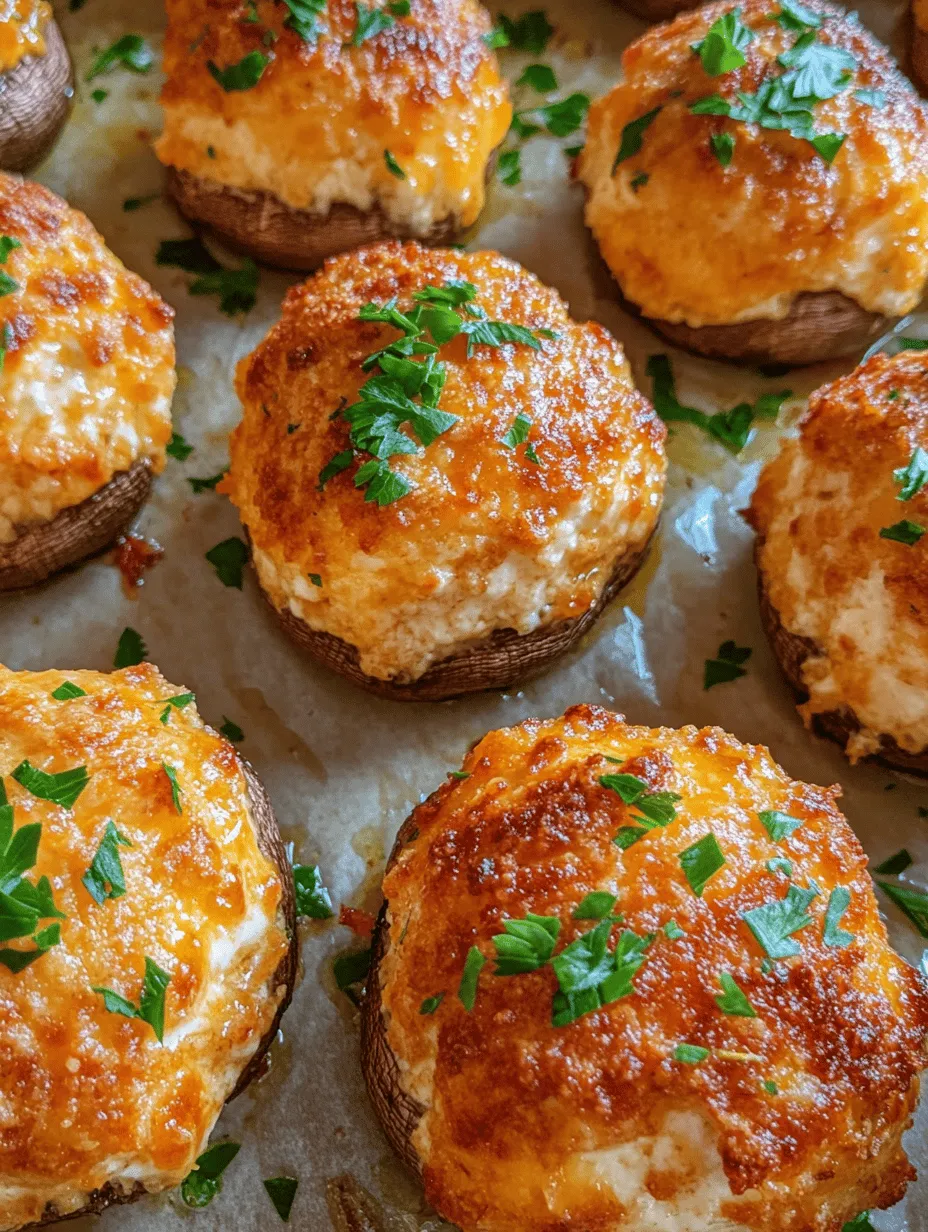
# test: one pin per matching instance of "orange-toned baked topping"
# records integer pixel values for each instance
(860, 597)
(22, 25)
(314, 127)
(487, 537)
(707, 244)
(535, 1127)
(90, 1096)
(920, 13)
(88, 371)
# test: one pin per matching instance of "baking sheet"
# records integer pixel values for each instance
(344, 769)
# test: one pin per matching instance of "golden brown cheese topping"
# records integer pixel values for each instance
(707, 244)
(522, 1116)
(22, 26)
(88, 369)
(313, 130)
(920, 13)
(822, 511)
(490, 535)
(90, 1096)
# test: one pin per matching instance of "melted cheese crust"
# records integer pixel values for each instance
(22, 30)
(486, 539)
(532, 1128)
(87, 382)
(741, 242)
(313, 131)
(818, 509)
(88, 1096)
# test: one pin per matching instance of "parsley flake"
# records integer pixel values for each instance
(726, 666)
(131, 52)
(104, 878)
(178, 702)
(236, 288)
(912, 477)
(913, 903)
(774, 923)
(351, 969)
(723, 147)
(176, 791)
(905, 532)
(312, 898)
(838, 902)
(796, 16)
(732, 999)
(778, 825)
(525, 945)
(206, 485)
(393, 166)
(467, 989)
(595, 906)
(632, 137)
(304, 18)
(701, 861)
(722, 49)
(150, 1008)
(431, 1004)
(779, 864)
(690, 1054)
(589, 976)
(67, 691)
(178, 448)
(244, 75)
(62, 789)
(519, 431)
(229, 558)
(282, 1190)
(201, 1185)
(370, 22)
(530, 32)
(130, 650)
(538, 77)
(895, 864)
(7, 245)
(673, 930)
(509, 167)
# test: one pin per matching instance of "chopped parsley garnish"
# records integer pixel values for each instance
(723, 147)
(560, 118)
(99, 96)
(231, 730)
(176, 790)
(207, 485)
(871, 98)
(731, 428)
(131, 52)
(62, 789)
(778, 825)
(774, 923)
(795, 16)
(236, 288)
(860, 1223)
(312, 898)
(350, 969)
(690, 1054)
(304, 18)
(638, 181)
(370, 22)
(518, 433)
(838, 902)
(6, 341)
(912, 478)
(779, 864)
(770, 1087)
(531, 32)
(7, 245)
(315, 579)
(895, 864)
(178, 448)
(459, 774)
(229, 558)
(201, 1185)
(431, 1004)
(509, 167)
(130, 650)
(589, 976)
(22, 904)
(525, 945)
(538, 77)
(913, 903)
(905, 532)
(7, 284)
(726, 666)
(407, 390)
(732, 999)
(701, 861)
(467, 989)
(632, 137)
(135, 203)
(150, 1008)
(595, 906)
(393, 166)
(282, 1190)
(67, 691)
(673, 930)
(654, 808)
(722, 50)
(177, 702)
(244, 75)
(104, 878)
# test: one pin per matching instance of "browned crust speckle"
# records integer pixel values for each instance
(791, 651)
(35, 98)
(272, 847)
(500, 661)
(262, 226)
(75, 533)
(820, 326)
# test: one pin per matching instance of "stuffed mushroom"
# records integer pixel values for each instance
(297, 135)
(840, 517)
(758, 182)
(149, 948)
(36, 82)
(633, 979)
(86, 384)
(444, 478)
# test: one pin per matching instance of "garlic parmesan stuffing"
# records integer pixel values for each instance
(701, 1026)
(140, 939)
(496, 490)
(754, 153)
(22, 25)
(87, 371)
(307, 101)
(840, 516)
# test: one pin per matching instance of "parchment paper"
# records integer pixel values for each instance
(343, 769)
